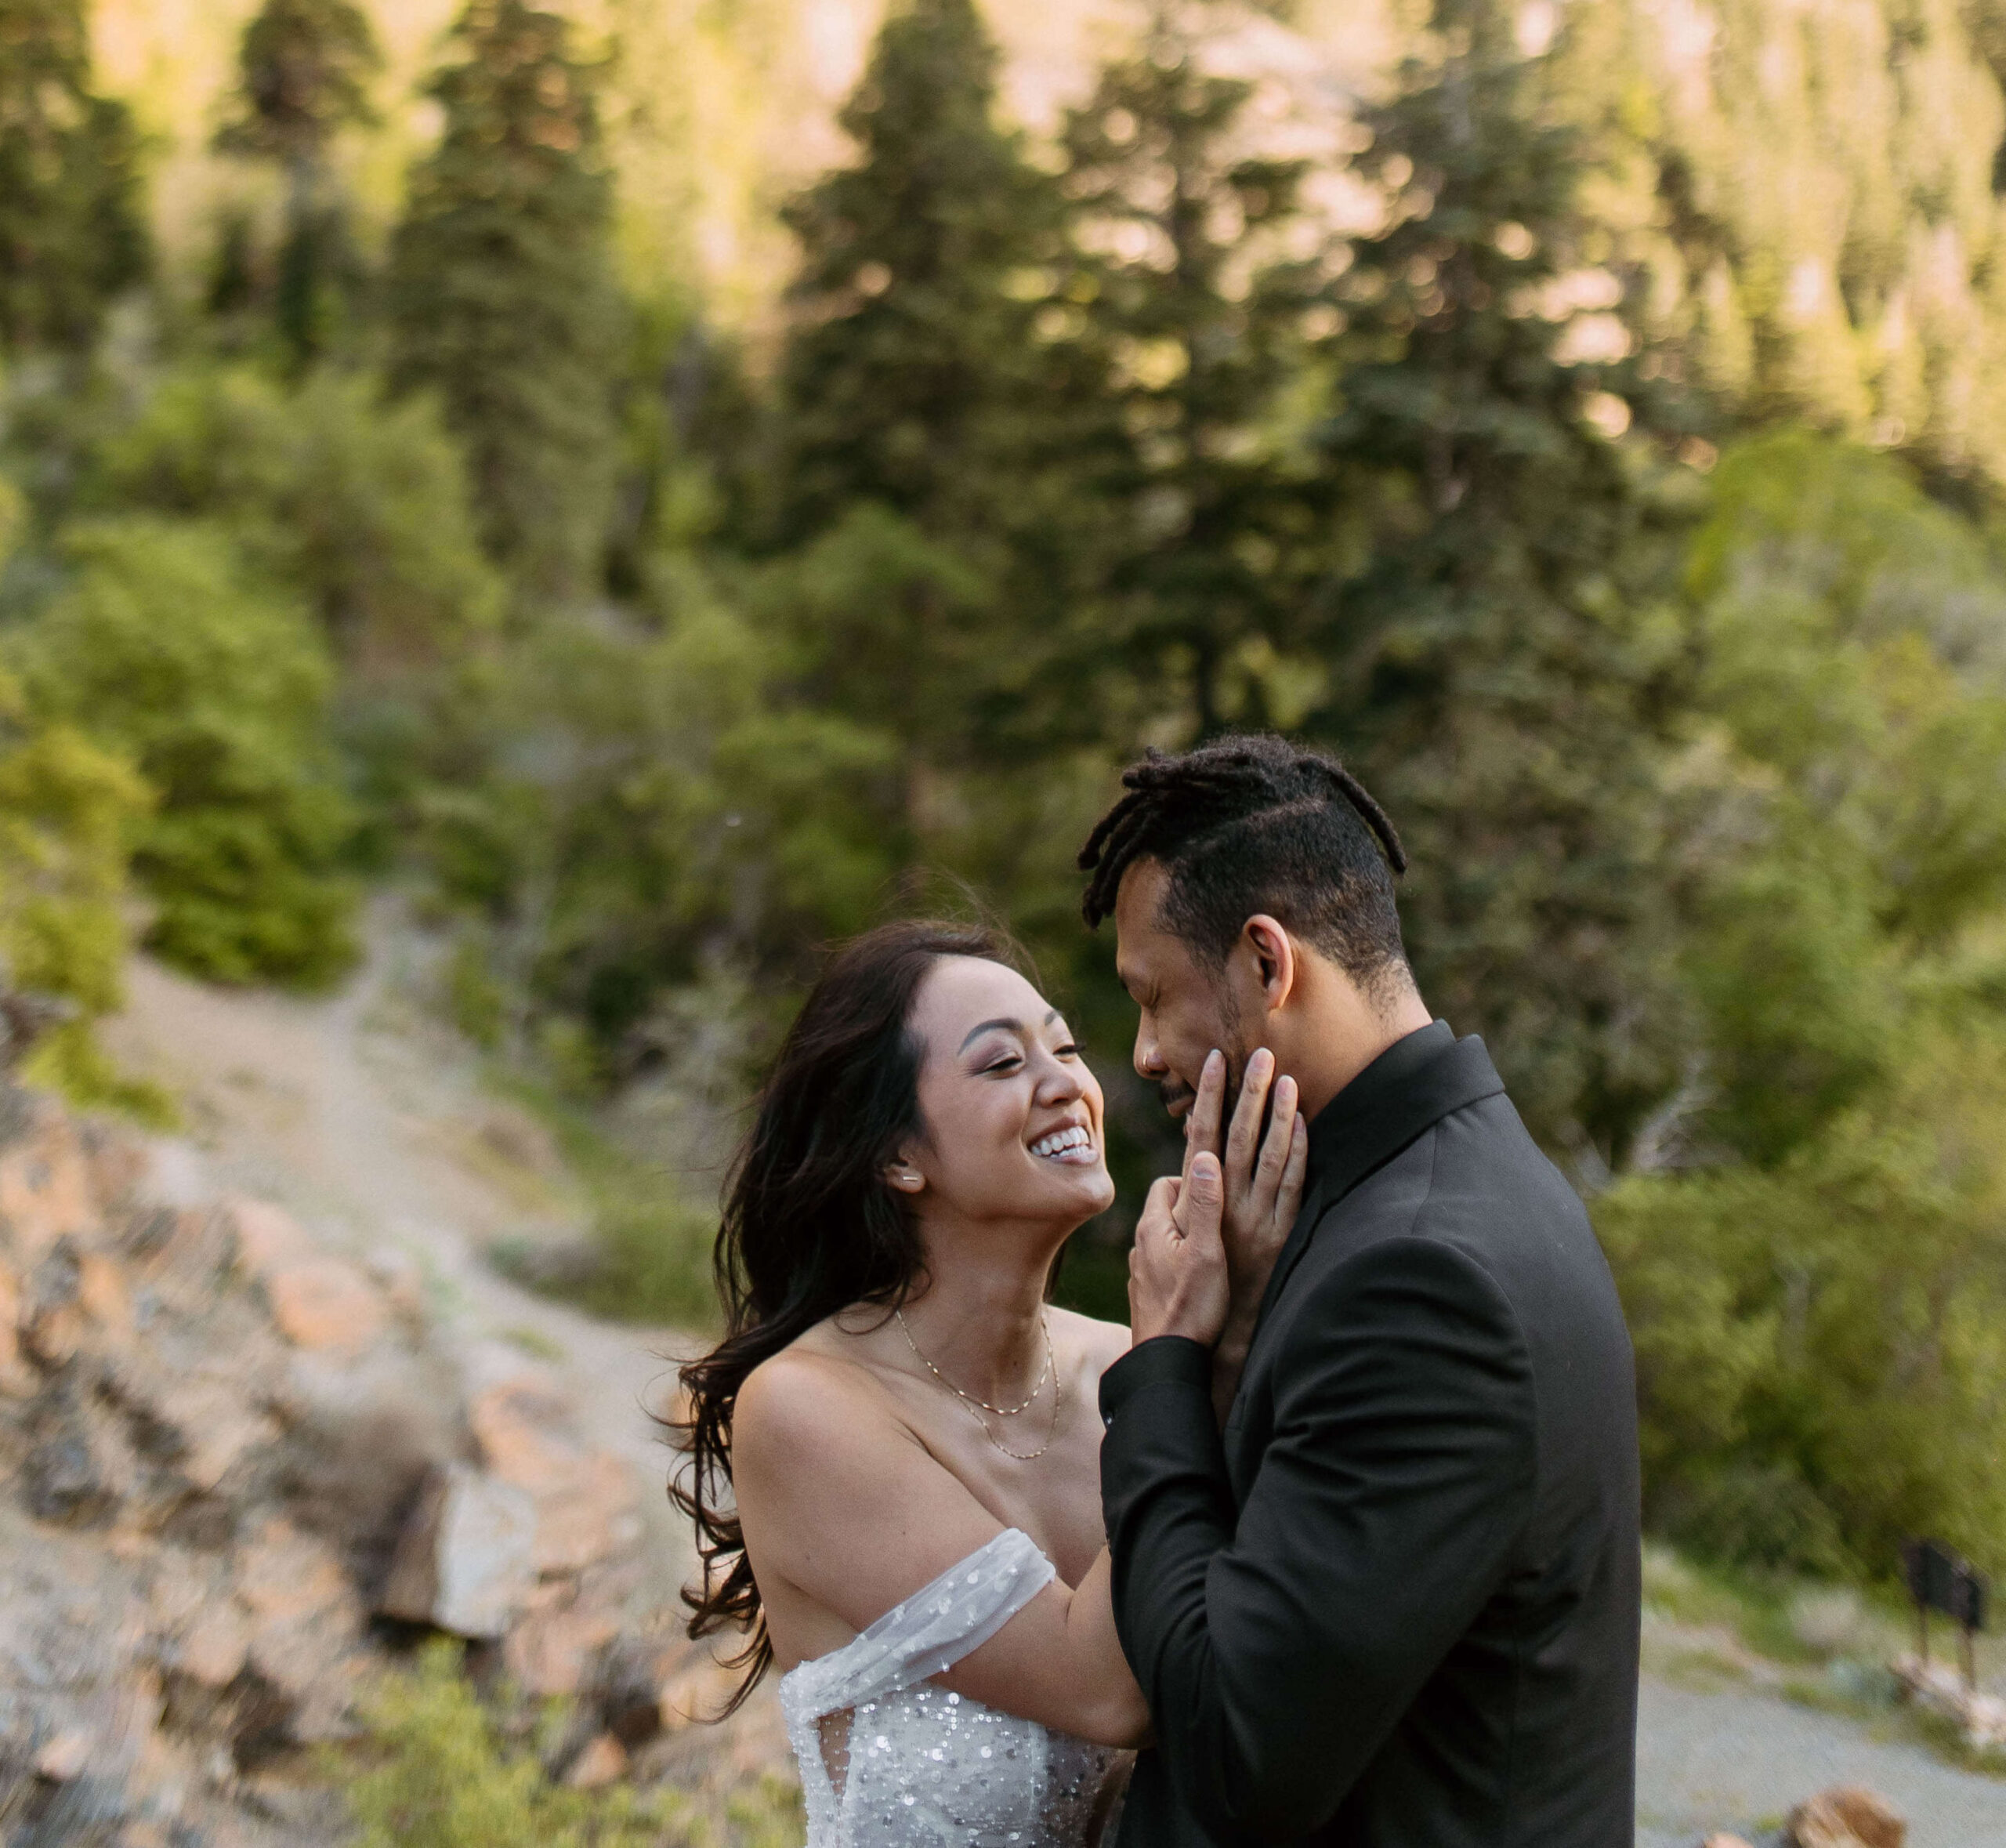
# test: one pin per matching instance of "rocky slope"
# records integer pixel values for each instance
(243, 1476)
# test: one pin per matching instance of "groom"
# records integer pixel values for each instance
(1394, 1603)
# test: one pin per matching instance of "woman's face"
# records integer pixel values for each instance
(1012, 1114)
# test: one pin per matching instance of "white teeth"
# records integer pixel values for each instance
(1061, 1142)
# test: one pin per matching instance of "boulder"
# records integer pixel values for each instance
(1846, 1816)
(585, 1498)
(557, 1639)
(45, 1177)
(604, 1761)
(466, 1561)
(324, 1303)
(266, 1236)
(213, 1649)
(305, 1623)
(17, 1378)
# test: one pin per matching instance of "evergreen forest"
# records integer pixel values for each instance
(1588, 422)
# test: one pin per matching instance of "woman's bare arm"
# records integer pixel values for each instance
(842, 1503)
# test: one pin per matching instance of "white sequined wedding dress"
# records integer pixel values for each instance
(890, 1758)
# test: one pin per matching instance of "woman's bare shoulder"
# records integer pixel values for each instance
(1098, 1345)
(817, 1387)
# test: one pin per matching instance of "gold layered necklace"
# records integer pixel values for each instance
(977, 1407)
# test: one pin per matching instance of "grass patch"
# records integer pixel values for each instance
(649, 1258)
(536, 1344)
(436, 1768)
(1827, 1646)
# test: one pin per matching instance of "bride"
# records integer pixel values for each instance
(894, 1450)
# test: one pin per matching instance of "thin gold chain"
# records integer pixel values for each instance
(1044, 1321)
(977, 1407)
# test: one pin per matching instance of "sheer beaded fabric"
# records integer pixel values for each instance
(890, 1758)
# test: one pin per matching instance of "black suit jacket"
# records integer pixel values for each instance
(1395, 1605)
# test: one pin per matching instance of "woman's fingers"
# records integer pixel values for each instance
(1240, 1150)
(1201, 1126)
(1274, 1146)
(1288, 1199)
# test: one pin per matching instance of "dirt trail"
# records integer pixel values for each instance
(367, 1120)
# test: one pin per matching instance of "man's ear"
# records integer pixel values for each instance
(1273, 951)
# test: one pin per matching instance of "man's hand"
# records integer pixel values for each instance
(1263, 1181)
(1178, 1282)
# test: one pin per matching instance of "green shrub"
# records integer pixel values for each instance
(1821, 1346)
(165, 649)
(358, 506)
(435, 1774)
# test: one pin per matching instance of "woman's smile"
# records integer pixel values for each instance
(1073, 1145)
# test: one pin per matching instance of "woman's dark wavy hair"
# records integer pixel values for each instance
(811, 1225)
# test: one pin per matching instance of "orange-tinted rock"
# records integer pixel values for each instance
(63, 1759)
(17, 1378)
(604, 1761)
(267, 1236)
(1847, 1816)
(585, 1499)
(304, 1624)
(45, 1184)
(102, 1296)
(549, 1652)
(324, 1303)
(209, 1415)
(212, 1651)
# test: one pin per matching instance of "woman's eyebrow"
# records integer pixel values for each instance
(1008, 1026)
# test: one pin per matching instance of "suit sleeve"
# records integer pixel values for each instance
(1278, 1649)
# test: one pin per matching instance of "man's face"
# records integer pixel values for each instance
(1187, 1008)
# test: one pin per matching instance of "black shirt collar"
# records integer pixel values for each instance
(1413, 1084)
(1333, 1127)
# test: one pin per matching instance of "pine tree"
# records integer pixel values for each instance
(1500, 655)
(503, 297)
(305, 67)
(928, 452)
(71, 236)
(905, 382)
(1195, 300)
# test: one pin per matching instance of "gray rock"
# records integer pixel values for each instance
(467, 1559)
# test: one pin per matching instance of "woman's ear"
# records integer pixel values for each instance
(904, 1176)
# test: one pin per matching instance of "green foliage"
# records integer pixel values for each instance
(912, 342)
(1815, 1309)
(304, 70)
(71, 234)
(1502, 649)
(304, 67)
(68, 815)
(501, 294)
(357, 505)
(437, 1776)
(1852, 670)
(653, 805)
(1197, 278)
(1818, 1344)
(166, 649)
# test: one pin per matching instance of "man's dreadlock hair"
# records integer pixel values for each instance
(1249, 823)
